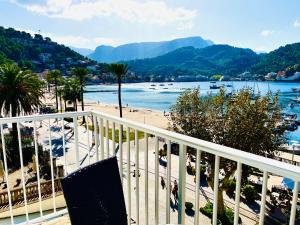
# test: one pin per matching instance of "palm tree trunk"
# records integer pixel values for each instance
(60, 101)
(119, 97)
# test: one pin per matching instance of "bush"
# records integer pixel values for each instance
(68, 119)
(191, 170)
(228, 219)
(230, 185)
(189, 205)
(249, 192)
(70, 109)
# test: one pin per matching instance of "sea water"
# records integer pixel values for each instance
(161, 96)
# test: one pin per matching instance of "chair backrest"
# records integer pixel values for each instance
(94, 195)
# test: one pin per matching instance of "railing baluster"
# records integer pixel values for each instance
(107, 138)
(52, 169)
(121, 151)
(128, 175)
(216, 189)
(237, 193)
(76, 141)
(96, 137)
(101, 139)
(22, 171)
(64, 145)
(294, 202)
(6, 176)
(113, 133)
(156, 182)
(37, 166)
(182, 184)
(198, 169)
(137, 174)
(88, 138)
(146, 180)
(263, 198)
(168, 182)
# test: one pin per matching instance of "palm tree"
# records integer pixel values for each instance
(72, 91)
(119, 70)
(81, 73)
(54, 76)
(20, 91)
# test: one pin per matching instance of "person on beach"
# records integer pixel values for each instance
(162, 182)
(175, 191)
(161, 153)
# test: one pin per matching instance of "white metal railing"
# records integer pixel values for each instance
(82, 146)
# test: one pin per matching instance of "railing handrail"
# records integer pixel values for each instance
(38, 117)
(260, 162)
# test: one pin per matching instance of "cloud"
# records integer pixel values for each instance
(297, 23)
(73, 40)
(266, 33)
(147, 12)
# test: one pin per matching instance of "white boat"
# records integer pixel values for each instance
(297, 99)
(296, 89)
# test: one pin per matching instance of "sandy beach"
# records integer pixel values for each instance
(146, 116)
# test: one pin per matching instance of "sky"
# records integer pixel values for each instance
(262, 25)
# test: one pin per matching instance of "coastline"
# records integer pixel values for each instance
(147, 116)
(143, 115)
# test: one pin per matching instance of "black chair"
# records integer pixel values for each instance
(94, 195)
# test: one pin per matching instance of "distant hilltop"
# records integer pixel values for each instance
(143, 50)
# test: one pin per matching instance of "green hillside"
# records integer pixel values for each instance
(36, 53)
(278, 59)
(222, 59)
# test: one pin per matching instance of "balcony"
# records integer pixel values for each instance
(32, 193)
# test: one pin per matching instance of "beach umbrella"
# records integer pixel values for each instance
(289, 183)
(33, 163)
(1, 170)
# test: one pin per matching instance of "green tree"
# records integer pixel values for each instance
(72, 91)
(119, 70)
(20, 91)
(54, 76)
(81, 73)
(230, 121)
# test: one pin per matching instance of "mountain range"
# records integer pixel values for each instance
(210, 60)
(189, 57)
(143, 50)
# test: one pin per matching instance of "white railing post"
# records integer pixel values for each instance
(121, 151)
(168, 197)
(22, 170)
(37, 166)
(182, 184)
(137, 174)
(237, 193)
(96, 137)
(64, 145)
(156, 182)
(51, 168)
(76, 141)
(6, 176)
(101, 139)
(197, 185)
(263, 198)
(216, 189)
(107, 138)
(128, 176)
(294, 202)
(146, 180)
(88, 138)
(113, 132)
